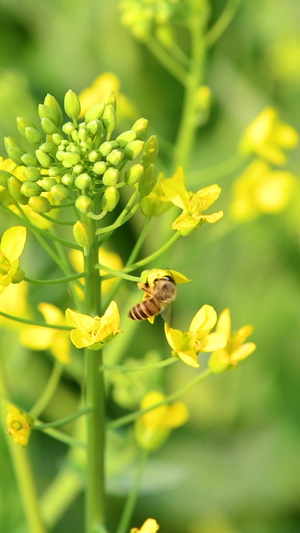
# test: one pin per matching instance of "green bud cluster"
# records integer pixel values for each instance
(80, 160)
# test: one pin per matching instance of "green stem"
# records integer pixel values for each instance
(73, 277)
(129, 210)
(127, 419)
(220, 170)
(153, 256)
(222, 23)
(133, 495)
(118, 273)
(57, 221)
(167, 61)
(62, 421)
(33, 323)
(62, 437)
(48, 391)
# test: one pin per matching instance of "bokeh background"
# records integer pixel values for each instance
(235, 467)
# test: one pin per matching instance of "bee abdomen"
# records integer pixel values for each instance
(144, 310)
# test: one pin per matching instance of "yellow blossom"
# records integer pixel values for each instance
(55, 340)
(19, 425)
(192, 204)
(261, 190)
(150, 526)
(198, 338)
(157, 202)
(102, 85)
(235, 349)
(154, 427)
(94, 332)
(11, 247)
(268, 137)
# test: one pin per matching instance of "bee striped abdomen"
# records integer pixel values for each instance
(145, 309)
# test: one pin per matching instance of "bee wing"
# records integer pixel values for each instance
(167, 312)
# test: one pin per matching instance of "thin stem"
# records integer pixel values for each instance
(62, 421)
(118, 273)
(222, 23)
(49, 390)
(133, 494)
(73, 277)
(167, 61)
(133, 368)
(57, 221)
(139, 242)
(153, 256)
(127, 419)
(220, 170)
(33, 323)
(62, 437)
(127, 213)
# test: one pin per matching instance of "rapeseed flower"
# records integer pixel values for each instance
(11, 247)
(19, 424)
(150, 526)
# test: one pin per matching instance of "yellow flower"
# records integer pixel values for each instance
(105, 258)
(198, 338)
(154, 427)
(11, 247)
(268, 137)
(235, 349)
(150, 526)
(55, 340)
(192, 204)
(19, 425)
(157, 202)
(104, 84)
(261, 190)
(91, 332)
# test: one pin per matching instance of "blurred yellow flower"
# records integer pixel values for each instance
(268, 137)
(192, 204)
(55, 340)
(91, 332)
(198, 338)
(11, 247)
(154, 427)
(235, 349)
(150, 526)
(19, 425)
(102, 85)
(105, 258)
(14, 302)
(261, 190)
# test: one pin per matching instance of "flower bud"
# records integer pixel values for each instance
(43, 158)
(93, 126)
(70, 159)
(110, 177)
(110, 199)
(109, 119)
(93, 156)
(32, 135)
(32, 173)
(14, 186)
(82, 133)
(31, 188)
(57, 138)
(29, 160)
(68, 127)
(51, 102)
(95, 112)
(45, 111)
(4, 176)
(115, 157)
(39, 204)
(150, 152)
(47, 183)
(110, 98)
(133, 149)
(74, 135)
(59, 192)
(134, 174)
(67, 180)
(84, 204)
(77, 170)
(148, 180)
(48, 126)
(13, 150)
(22, 124)
(18, 276)
(107, 147)
(82, 234)
(83, 181)
(140, 127)
(48, 147)
(126, 137)
(72, 104)
(99, 167)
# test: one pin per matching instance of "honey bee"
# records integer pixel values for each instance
(158, 297)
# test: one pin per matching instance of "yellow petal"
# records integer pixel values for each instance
(80, 321)
(214, 341)
(51, 313)
(189, 357)
(241, 335)
(13, 242)
(81, 339)
(176, 192)
(242, 352)
(219, 361)
(150, 526)
(214, 217)
(60, 347)
(204, 320)
(224, 323)
(208, 196)
(174, 337)
(178, 414)
(36, 338)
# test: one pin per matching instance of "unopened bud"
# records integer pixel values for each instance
(29, 160)
(110, 98)
(59, 192)
(109, 119)
(39, 204)
(13, 150)
(31, 188)
(46, 111)
(70, 159)
(93, 156)
(68, 127)
(48, 147)
(14, 186)
(110, 177)
(150, 152)
(99, 167)
(140, 127)
(110, 199)
(115, 157)
(67, 180)
(22, 124)
(33, 135)
(48, 126)
(133, 149)
(84, 204)
(148, 180)
(83, 181)
(48, 183)
(107, 147)
(51, 102)
(126, 137)
(92, 127)
(134, 174)
(82, 234)
(4, 176)
(31, 173)
(95, 112)
(57, 138)
(72, 104)
(43, 158)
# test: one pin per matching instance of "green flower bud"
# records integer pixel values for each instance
(115, 157)
(31, 173)
(22, 124)
(48, 147)
(93, 156)
(43, 158)
(83, 181)
(134, 174)
(14, 150)
(82, 234)
(53, 172)
(59, 192)
(4, 176)
(46, 111)
(126, 137)
(51, 102)
(73, 148)
(30, 188)
(82, 133)
(70, 159)
(150, 152)
(78, 169)
(48, 183)
(93, 126)
(140, 127)
(29, 160)
(85, 146)
(14, 186)
(72, 104)
(94, 112)
(39, 204)
(148, 180)
(99, 167)
(107, 147)
(74, 135)
(110, 177)
(48, 126)
(84, 204)
(110, 199)
(67, 180)
(110, 98)
(32, 135)
(109, 119)
(57, 138)
(133, 149)
(18, 276)
(68, 127)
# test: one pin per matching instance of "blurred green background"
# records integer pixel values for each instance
(235, 467)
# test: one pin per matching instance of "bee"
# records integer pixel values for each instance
(158, 297)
